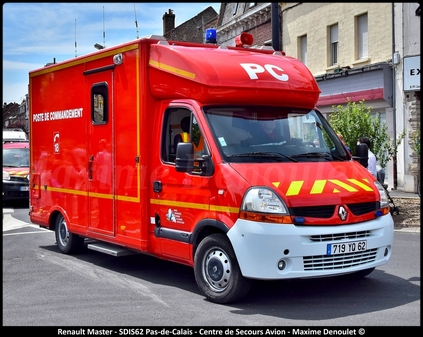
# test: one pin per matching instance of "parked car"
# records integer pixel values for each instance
(14, 135)
(15, 171)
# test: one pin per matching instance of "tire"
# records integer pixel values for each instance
(217, 272)
(67, 242)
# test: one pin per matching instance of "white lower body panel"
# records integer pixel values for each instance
(260, 247)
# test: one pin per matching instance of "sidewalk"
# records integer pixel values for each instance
(405, 195)
(402, 194)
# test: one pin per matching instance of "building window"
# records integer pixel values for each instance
(303, 49)
(362, 37)
(235, 8)
(252, 4)
(333, 45)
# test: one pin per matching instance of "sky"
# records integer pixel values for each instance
(35, 34)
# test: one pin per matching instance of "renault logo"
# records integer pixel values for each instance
(342, 212)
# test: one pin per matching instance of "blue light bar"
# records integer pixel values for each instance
(211, 35)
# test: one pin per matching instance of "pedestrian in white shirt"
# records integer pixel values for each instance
(371, 166)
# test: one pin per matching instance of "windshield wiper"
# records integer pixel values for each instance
(325, 155)
(337, 157)
(272, 155)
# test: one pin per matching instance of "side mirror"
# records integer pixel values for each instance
(184, 157)
(362, 154)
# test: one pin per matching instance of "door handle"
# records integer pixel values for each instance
(90, 168)
(157, 186)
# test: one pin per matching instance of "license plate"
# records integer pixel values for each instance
(345, 248)
(24, 188)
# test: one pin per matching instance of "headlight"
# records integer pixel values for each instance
(6, 175)
(264, 205)
(263, 200)
(384, 201)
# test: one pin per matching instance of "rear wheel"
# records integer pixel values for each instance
(217, 271)
(68, 242)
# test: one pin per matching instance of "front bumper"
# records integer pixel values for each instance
(15, 190)
(260, 247)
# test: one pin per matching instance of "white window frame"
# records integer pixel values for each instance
(333, 46)
(362, 37)
(303, 49)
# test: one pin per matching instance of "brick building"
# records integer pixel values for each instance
(250, 17)
(193, 30)
(14, 116)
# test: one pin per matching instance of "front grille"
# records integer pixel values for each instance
(363, 208)
(343, 261)
(18, 194)
(340, 236)
(315, 212)
(325, 212)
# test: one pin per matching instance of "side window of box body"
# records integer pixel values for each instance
(99, 103)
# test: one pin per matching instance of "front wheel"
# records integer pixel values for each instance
(68, 242)
(217, 272)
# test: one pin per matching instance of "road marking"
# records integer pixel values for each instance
(10, 223)
(8, 210)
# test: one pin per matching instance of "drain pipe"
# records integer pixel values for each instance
(394, 110)
(275, 26)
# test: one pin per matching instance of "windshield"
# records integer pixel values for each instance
(268, 134)
(16, 157)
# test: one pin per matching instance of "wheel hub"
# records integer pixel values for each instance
(218, 270)
(63, 233)
(215, 269)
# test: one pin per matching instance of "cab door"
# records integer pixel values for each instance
(180, 199)
(101, 189)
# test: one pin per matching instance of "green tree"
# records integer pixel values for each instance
(355, 120)
(415, 140)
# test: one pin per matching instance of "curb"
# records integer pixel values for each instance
(415, 230)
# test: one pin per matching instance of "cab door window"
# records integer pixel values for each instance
(181, 126)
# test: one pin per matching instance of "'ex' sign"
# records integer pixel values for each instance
(412, 73)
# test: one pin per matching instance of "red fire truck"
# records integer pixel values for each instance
(257, 186)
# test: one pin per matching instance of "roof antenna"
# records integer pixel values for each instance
(136, 22)
(75, 38)
(104, 32)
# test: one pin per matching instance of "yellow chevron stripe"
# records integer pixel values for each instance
(343, 185)
(294, 188)
(19, 173)
(319, 185)
(360, 184)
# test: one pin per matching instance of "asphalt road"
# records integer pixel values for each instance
(44, 288)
